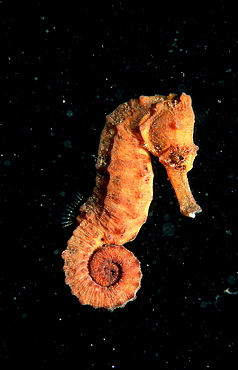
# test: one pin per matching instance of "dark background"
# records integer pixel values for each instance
(59, 77)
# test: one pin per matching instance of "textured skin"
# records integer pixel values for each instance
(119, 205)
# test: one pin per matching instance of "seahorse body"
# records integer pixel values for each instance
(119, 205)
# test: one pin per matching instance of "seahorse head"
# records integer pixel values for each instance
(167, 129)
(167, 132)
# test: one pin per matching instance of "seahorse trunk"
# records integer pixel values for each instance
(130, 185)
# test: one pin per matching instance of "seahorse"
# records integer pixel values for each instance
(100, 271)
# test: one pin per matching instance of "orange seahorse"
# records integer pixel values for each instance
(99, 269)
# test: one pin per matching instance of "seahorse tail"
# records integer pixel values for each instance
(106, 277)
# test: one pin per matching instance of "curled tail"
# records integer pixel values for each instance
(107, 277)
